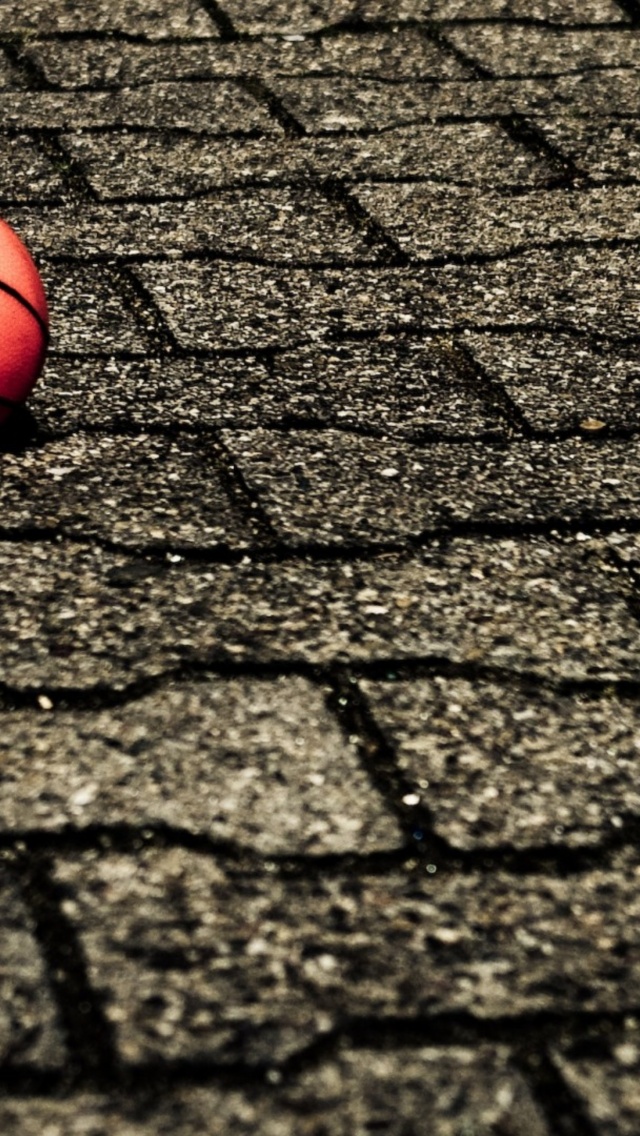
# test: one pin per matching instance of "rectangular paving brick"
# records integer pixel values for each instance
(398, 52)
(506, 49)
(509, 766)
(164, 19)
(304, 16)
(560, 381)
(195, 962)
(30, 1033)
(352, 1091)
(81, 616)
(207, 108)
(118, 166)
(104, 392)
(134, 492)
(431, 221)
(604, 149)
(89, 313)
(406, 388)
(281, 225)
(25, 173)
(335, 487)
(259, 763)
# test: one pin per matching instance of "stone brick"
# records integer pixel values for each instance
(559, 381)
(83, 617)
(406, 388)
(198, 961)
(121, 166)
(604, 149)
(302, 16)
(510, 765)
(164, 19)
(281, 225)
(30, 1034)
(350, 1094)
(398, 52)
(434, 220)
(150, 392)
(206, 108)
(88, 311)
(332, 487)
(507, 49)
(140, 491)
(25, 174)
(260, 763)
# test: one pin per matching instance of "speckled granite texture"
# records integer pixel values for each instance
(320, 570)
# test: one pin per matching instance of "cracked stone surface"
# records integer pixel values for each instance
(608, 1084)
(159, 20)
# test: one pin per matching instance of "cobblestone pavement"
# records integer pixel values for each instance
(319, 567)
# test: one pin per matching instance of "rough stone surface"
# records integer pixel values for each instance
(608, 1085)
(514, 49)
(196, 961)
(139, 491)
(25, 174)
(507, 765)
(603, 149)
(531, 605)
(30, 1034)
(332, 486)
(88, 312)
(280, 225)
(433, 221)
(179, 758)
(469, 153)
(354, 1092)
(162, 19)
(559, 381)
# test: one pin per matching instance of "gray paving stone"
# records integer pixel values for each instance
(140, 491)
(255, 306)
(399, 52)
(259, 763)
(30, 1034)
(603, 149)
(81, 617)
(401, 387)
(337, 104)
(560, 381)
(163, 19)
(25, 174)
(220, 107)
(357, 1091)
(197, 962)
(303, 16)
(121, 166)
(514, 49)
(499, 765)
(150, 392)
(279, 224)
(332, 486)
(88, 311)
(431, 220)
(607, 1086)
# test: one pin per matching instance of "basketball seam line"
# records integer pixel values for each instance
(30, 308)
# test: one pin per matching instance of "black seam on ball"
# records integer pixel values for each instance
(30, 308)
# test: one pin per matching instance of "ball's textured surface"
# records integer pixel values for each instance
(24, 322)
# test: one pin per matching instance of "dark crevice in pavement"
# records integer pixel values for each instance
(221, 20)
(525, 132)
(275, 105)
(88, 1034)
(561, 1107)
(337, 192)
(147, 314)
(434, 32)
(631, 8)
(246, 499)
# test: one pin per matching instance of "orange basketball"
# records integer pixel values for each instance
(24, 322)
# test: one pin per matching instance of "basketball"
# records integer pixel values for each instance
(24, 322)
